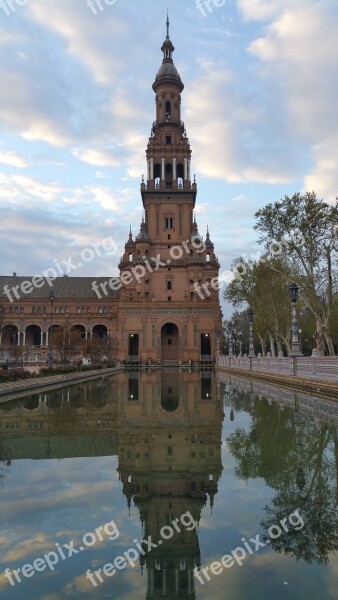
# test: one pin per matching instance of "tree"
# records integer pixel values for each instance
(96, 349)
(306, 228)
(236, 327)
(67, 344)
(264, 286)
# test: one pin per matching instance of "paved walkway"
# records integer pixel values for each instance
(329, 388)
(15, 389)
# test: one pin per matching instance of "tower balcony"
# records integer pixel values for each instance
(168, 122)
(172, 186)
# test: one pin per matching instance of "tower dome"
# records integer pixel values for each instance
(167, 71)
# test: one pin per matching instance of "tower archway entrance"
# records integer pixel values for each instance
(169, 342)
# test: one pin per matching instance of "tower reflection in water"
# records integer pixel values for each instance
(169, 447)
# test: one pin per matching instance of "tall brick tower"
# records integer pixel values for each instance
(163, 317)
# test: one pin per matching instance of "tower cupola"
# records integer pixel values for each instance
(167, 73)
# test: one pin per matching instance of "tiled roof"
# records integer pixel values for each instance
(63, 287)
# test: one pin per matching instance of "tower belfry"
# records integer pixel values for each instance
(188, 329)
(168, 151)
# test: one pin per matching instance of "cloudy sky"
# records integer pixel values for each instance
(76, 108)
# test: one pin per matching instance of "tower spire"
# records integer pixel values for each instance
(168, 24)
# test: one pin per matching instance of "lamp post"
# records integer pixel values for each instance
(50, 353)
(231, 350)
(231, 329)
(251, 315)
(295, 345)
(240, 337)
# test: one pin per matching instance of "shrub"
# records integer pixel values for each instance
(13, 375)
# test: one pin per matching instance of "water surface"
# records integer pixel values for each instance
(133, 452)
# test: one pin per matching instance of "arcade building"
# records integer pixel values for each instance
(159, 318)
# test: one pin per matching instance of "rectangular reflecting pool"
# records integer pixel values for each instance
(169, 484)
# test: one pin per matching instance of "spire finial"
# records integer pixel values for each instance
(168, 23)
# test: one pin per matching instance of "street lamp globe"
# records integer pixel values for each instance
(293, 290)
(251, 315)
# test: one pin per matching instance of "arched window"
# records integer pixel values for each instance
(157, 172)
(208, 257)
(169, 175)
(130, 257)
(168, 111)
(180, 174)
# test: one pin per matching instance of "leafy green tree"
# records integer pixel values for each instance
(306, 228)
(264, 286)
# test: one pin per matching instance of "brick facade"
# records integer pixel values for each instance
(154, 313)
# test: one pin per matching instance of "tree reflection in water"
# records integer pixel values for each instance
(300, 462)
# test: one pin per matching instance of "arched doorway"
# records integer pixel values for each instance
(77, 334)
(10, 335)
(170, 342)
(33, 335)
(100, 334)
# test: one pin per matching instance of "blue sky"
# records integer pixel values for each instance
(76, 108)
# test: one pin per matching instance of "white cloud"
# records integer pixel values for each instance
(324, 177)
(97, 158)
(229, 132)
(18, 188)
(13, 159)
(87, 38)
(300, 69)
(264, 10)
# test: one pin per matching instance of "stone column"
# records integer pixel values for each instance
(295, 344)
(185, 169)
(174, 169)
(189, 582)
(176, 582)
(163, 169)
(164, 589)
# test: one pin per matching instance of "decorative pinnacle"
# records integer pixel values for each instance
(168, 24)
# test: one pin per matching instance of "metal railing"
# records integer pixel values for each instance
(309, 367)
